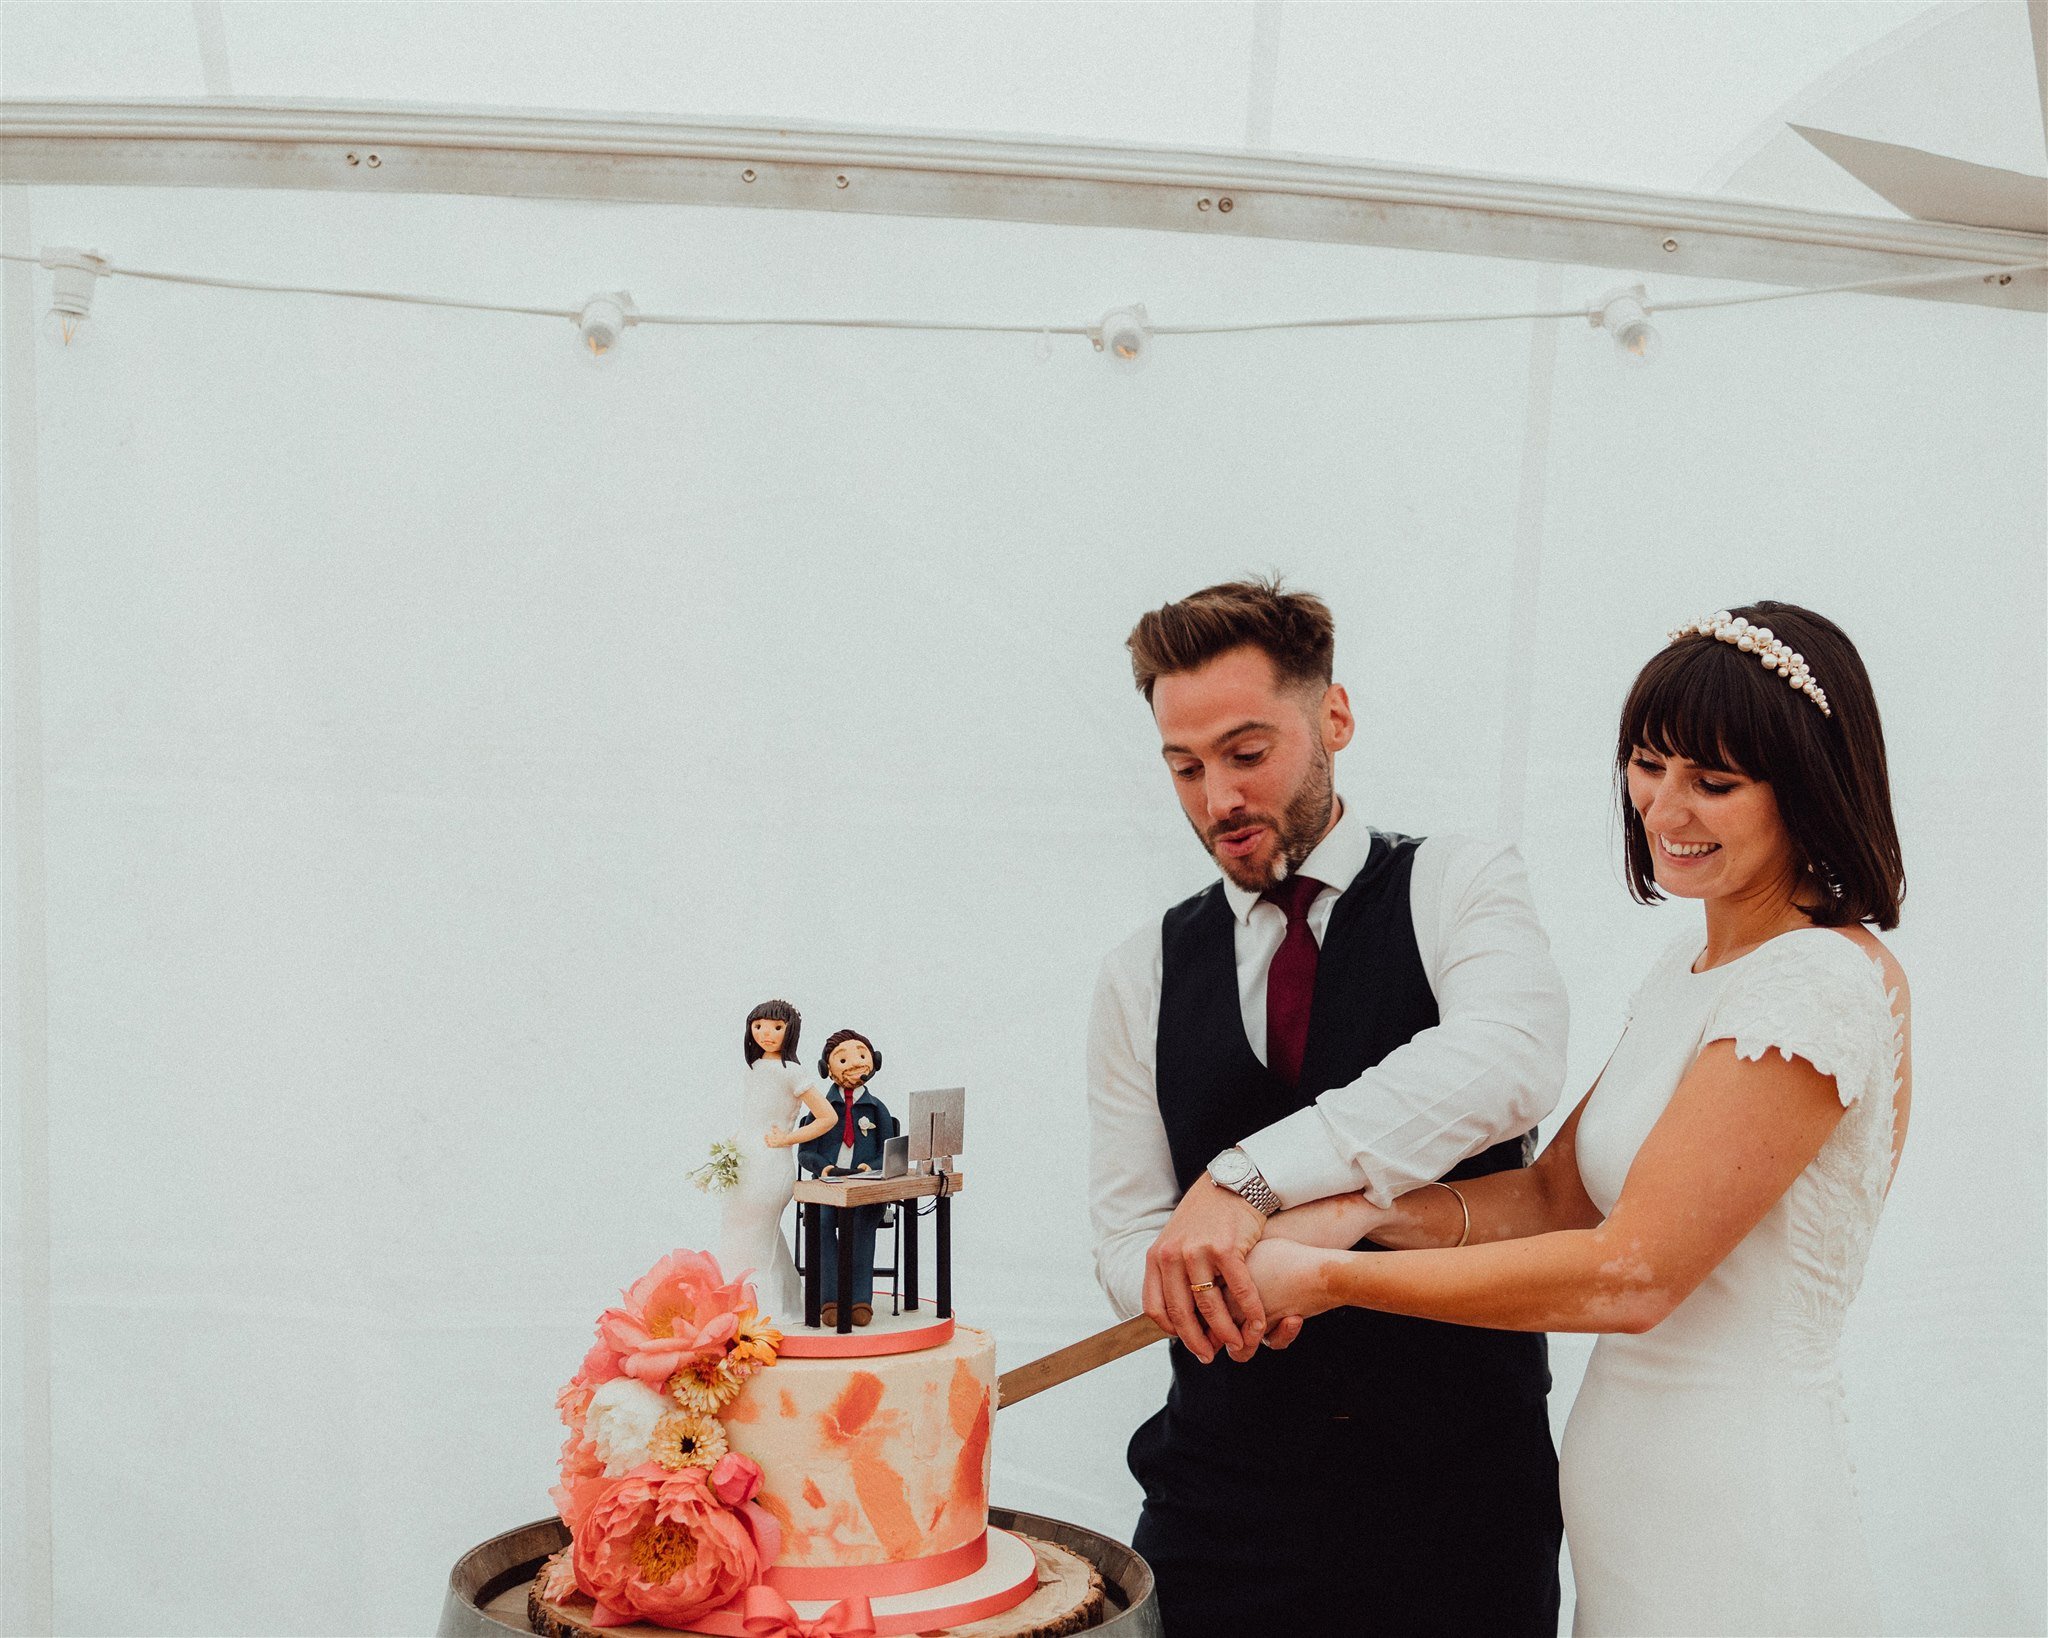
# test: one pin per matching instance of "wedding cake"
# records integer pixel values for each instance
(720, 1477)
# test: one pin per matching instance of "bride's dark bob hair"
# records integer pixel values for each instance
(782, 1012)
(1713, 704)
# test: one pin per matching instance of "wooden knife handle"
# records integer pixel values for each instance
(1076, 1359)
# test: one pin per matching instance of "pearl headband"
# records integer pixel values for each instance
(1776, 654)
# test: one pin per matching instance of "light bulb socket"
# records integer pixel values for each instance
(1624, 314)
(1125, 336)
(603, 320)
(74, 275)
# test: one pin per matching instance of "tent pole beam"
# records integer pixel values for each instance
(386, 149)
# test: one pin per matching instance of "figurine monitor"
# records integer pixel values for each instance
(937, 1124)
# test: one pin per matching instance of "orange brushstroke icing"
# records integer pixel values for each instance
(966, 1399)
(851, 1410)
(881, 1458)
(970, 1478)
(778, 1509)
(880, 1488)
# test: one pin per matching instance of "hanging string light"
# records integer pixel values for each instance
(603, 320)
(1125, 336)
(74, 275)
(1624, 315)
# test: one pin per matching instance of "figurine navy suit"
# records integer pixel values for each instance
(856, 1141)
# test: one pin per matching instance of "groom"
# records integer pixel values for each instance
(1347, 1009)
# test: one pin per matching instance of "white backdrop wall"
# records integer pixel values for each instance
(446, 740)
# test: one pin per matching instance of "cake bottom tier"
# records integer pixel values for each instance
(1048, 1590)
(868, 1462)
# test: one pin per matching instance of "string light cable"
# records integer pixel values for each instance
(621, 314)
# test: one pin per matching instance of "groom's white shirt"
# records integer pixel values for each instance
(1490, 1069)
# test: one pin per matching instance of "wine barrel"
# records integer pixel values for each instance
(487, 1588)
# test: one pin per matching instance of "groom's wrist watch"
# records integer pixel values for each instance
(1233, 1170)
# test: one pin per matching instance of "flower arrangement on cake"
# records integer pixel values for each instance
(661, 1513)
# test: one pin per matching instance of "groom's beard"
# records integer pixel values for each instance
(1299, 827)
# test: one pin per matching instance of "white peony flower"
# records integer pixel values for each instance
(620, 1422)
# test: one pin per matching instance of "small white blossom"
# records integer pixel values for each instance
(620, 1422)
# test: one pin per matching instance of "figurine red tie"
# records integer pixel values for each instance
(1291, 979)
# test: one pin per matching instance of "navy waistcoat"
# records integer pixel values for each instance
(1371, 996)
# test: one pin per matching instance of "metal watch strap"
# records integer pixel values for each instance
(1254, 1188)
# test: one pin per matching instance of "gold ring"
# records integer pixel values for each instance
(1205, 1285)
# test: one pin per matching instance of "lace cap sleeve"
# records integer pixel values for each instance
(1813, 994)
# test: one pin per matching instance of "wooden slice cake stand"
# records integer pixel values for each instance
(1068, 1599)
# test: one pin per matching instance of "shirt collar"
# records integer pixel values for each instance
(1337, 858)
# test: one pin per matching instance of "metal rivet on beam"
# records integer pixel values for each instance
(839, 181)
(354, 160)
(1201, 204)
(1670, 244)
(746, 176)
(1225, 203)
(373, 162)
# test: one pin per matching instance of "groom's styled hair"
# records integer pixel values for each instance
(1293, 629)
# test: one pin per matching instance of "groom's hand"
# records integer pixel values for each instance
(1205, 1243)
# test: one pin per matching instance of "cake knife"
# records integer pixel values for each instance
(1076, 1359)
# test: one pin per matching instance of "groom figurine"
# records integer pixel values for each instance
(863, 1124)
(1345, 1010)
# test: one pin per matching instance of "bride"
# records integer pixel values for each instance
(1709, 1204)
(750, 1222)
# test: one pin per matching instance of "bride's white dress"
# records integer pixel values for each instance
(1706, 1483)
(750, 1219)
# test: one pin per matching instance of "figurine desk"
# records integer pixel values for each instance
(813, 1194)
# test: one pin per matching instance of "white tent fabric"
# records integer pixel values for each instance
(426, 743)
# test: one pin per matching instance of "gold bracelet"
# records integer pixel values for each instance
(1465, 1233)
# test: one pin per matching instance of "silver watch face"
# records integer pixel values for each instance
(1233, 1168)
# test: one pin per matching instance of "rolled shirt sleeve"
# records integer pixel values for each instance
(1490, 1069)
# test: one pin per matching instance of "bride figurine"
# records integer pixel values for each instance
(750, 1224)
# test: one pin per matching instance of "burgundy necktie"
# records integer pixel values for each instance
(1291, 979)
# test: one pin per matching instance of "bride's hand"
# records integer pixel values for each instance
(776, 1138)
(1291, 1278)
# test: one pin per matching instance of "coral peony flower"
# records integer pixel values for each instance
(559, 1578)
(621, 1421)
(599, 1366)
(677, 1313)
(662, 1547)
(572, 1402)
(580, 1459)
(580, 1462)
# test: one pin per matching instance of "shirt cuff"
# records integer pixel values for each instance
(1299, 1163)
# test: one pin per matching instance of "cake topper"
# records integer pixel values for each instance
(864, 1124)
(763, 1172)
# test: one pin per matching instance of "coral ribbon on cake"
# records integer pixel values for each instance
(907, 1575)
(765, 1613)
